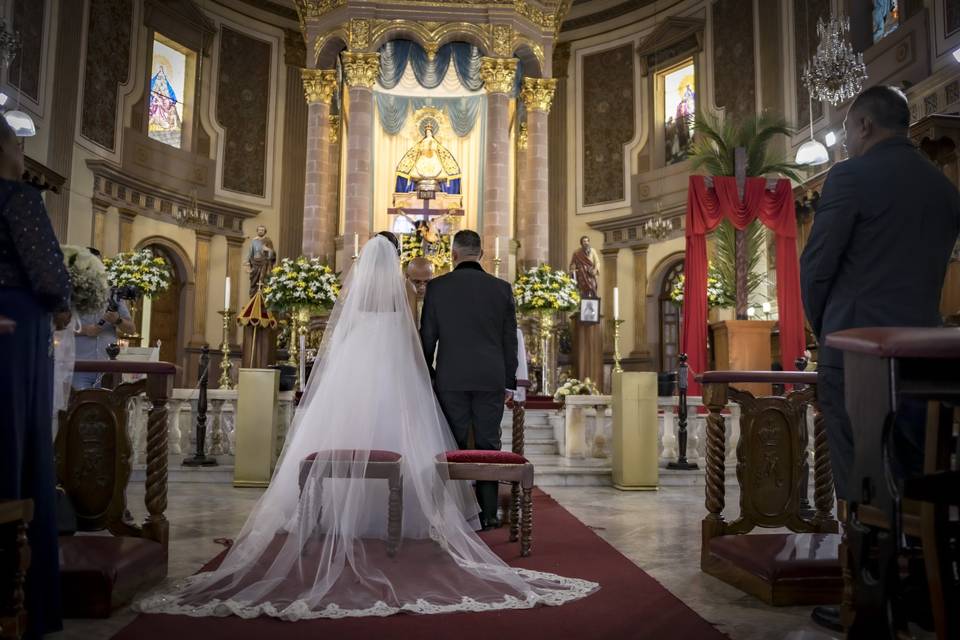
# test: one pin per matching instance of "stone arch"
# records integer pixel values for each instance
(531, 55)
(327, 49)
(427, 38)
(184, 275)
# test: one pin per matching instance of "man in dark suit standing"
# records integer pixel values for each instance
(877, 256)
(472, 316)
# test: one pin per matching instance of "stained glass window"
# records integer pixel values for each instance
(679, 111)
(886, 18)
(167, 89)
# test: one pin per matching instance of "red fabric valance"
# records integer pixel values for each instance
(706, 208)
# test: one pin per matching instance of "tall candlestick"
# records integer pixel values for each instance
(496, 248)
(616, 303)
(356, 245)
(226, 294)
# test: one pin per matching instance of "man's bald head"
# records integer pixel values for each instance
(11, 154)
(420, 272)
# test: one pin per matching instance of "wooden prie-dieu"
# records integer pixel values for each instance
(801, 567)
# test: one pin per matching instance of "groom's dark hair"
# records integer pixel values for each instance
(467, 243)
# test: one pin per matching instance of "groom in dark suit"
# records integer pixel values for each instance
(471, 315)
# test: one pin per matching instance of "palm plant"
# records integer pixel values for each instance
(737, 254)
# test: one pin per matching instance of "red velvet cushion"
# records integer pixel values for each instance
(482, 456)
(374, 455)
(101, 573)
(781, 556)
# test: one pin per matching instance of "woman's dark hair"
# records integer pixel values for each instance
(389, 235)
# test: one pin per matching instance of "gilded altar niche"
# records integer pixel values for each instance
(734, 65)
(608, 107)
(107, 67)
(243, 102)
(28, 18)
(805, 41)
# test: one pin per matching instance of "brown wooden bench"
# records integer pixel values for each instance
(800, 567)
(93, 454)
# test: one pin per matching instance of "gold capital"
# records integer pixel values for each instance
(361, 69)
(359, 34)
(498, 74)
(334, 135)
(319, 85)
(537, 93)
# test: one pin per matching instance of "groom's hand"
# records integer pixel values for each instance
(507, 395)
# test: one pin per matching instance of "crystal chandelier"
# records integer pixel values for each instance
(835, 73)
(657, 228)
(192, 215)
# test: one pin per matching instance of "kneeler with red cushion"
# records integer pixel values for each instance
(373, 465)
(502, 466)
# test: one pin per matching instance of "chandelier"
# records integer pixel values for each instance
(191, 215)
(657, 228)
(835, 73)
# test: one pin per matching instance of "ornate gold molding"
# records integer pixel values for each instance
(537, 93)
(498, 74)
(307, 9)
(430, 35)
(501, 40)
(359, 34)
(319, 85)
(542, 19)
(360, 69)
(523, 137)
(334, 135)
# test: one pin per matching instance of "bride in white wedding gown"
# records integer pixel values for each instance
(321, 552)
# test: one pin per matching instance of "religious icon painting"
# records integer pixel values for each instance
(167, 88)
(589, 310)
(679, 111)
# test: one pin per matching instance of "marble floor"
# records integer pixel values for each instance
(659, 531)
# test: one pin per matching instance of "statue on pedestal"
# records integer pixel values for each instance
(585, 268)
(260, 259)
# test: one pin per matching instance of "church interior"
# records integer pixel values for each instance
(229, 160)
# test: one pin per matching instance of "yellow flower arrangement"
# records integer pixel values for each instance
(541, 289)
(301, 283)
(148, 273)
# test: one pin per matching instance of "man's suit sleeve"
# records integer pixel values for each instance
(510, 346)
(429, 329)
(833, 226)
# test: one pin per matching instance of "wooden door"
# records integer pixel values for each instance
(671, 320)
(165, 318)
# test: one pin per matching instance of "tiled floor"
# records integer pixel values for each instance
(660, 531)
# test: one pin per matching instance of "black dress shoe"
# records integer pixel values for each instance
(827, 617)
(487, 525)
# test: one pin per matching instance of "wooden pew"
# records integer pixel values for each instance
(15, 515)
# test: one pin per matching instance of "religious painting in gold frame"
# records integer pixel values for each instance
(677, 87)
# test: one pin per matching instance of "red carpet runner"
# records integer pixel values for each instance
(629, 605)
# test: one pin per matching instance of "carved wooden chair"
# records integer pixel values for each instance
(800, 567)
(93, 454)
(373, 465)
(501, 466)
(15, 515)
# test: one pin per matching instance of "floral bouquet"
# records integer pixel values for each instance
(412, 246)
(574, 387)
(88, 278)
(148, 273)
(543, 290)
(719, 293)
(301, 283)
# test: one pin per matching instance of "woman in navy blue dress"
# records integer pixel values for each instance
(34, 292)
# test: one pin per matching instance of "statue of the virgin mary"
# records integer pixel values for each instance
(430, 162)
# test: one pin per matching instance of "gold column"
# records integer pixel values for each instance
(319, 210)
(125, 239)
(640, 347)
(201, 277)
(98, 232)
(360, 71)
(609, 282)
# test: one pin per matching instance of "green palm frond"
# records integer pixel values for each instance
(715, 145)
(725, 255)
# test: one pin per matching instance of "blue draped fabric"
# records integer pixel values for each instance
(396, 54)
(452, 186)
(404, 185)
(462, 112)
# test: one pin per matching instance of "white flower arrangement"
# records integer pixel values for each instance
(88, 279)
(718, 293)
(301, 283)
(543, 290)
(574, 387)
(148, 273)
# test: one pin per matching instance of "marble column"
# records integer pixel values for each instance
(498, 78)
(558, 159)
(532, 191)
(201, 280)
(319, 219)
(360, 70)
(98, 232)
(125, 231)
(609, 282)
(641, 349)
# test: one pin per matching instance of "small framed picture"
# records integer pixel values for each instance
(589, 310)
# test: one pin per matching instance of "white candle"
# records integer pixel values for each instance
(303, 360)
(226, 294)
(616, 303)
(766, 307)
(356, 244)
(496, 248)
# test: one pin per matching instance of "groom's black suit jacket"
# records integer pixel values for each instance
(472, 315)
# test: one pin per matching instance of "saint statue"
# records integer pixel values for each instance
(585, 267)
(428, 165)
(260, 259)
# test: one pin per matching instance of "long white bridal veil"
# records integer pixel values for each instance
(358, 520)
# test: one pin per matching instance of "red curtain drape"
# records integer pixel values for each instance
(706, 208)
